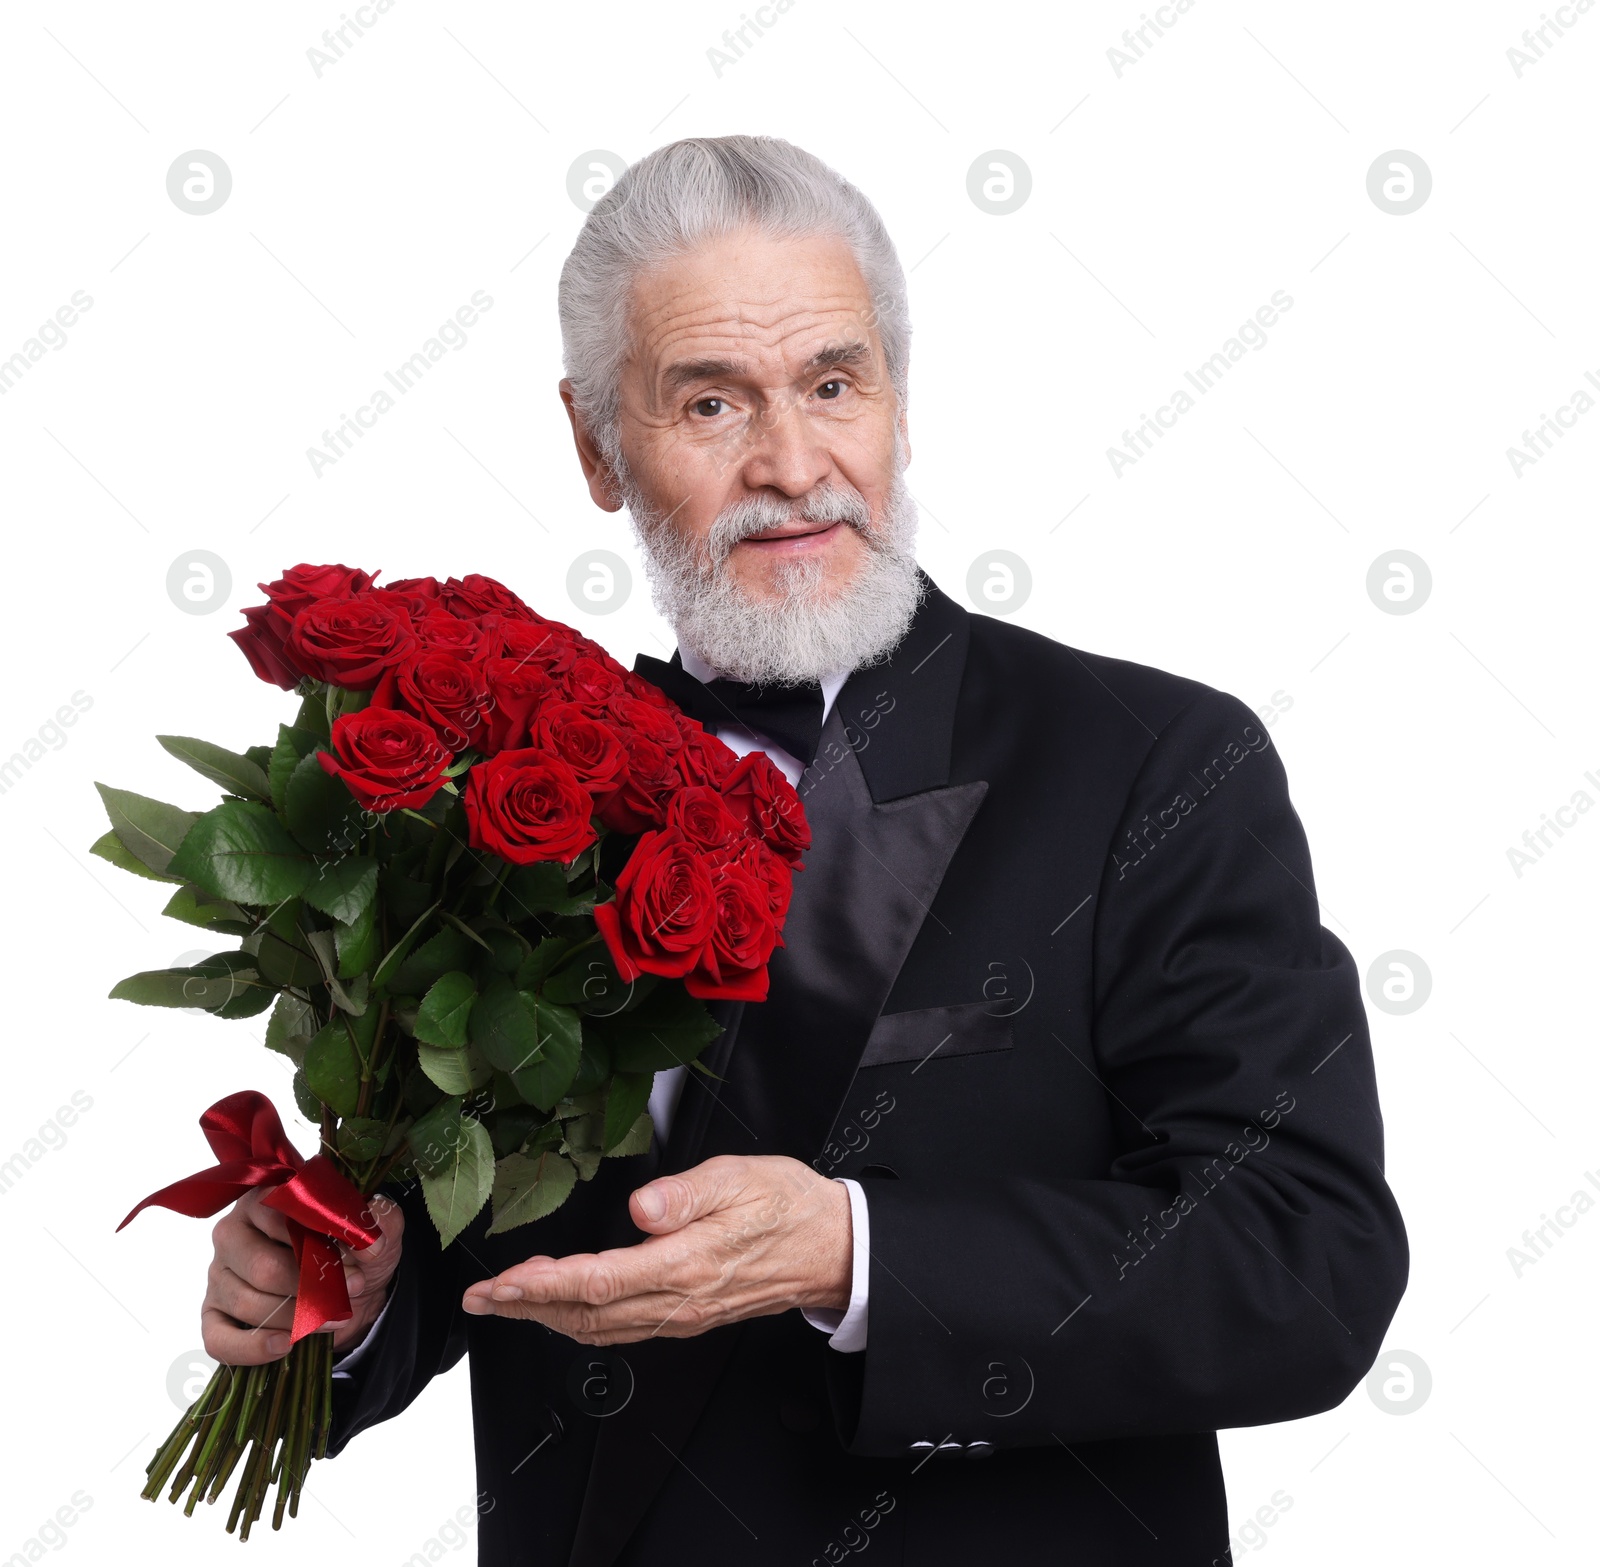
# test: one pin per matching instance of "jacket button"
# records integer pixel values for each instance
(951, 1449)
(922, 1449)
(980, 1449)
(880, 1172)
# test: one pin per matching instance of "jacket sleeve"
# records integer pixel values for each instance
(421, 1333)
(1241, 1258)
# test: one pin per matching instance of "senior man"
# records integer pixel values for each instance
(1056, 1145)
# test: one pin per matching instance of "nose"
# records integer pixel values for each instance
(783, 450)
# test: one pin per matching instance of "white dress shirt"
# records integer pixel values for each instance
(847, 1329)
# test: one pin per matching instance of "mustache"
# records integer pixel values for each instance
(761, 513)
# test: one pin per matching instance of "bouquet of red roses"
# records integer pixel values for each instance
(486, 882)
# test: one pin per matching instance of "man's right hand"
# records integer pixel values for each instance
(250, 1287)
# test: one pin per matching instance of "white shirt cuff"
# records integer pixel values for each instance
(848, 1328)
(351, 1357)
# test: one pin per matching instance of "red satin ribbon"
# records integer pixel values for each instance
(319, 1205)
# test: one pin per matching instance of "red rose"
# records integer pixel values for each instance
(447, 634)
(775, 873)
(638, 686)
(588, 745)
(475, 595)
(733, 965)
(763, 798)
(646, 718)
(590, 682)
(412, 605)
(267, 625)
(349, 642)
(389, 761)
(515, 692)
(415, 587)
(664, 910)
(302, 585)
(260, 642)
(652, 780)
(442, 688)
(703, 817)
(702, 758)
(546, 645)
(528, 806)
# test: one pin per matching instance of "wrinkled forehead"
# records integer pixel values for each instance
(753, 307)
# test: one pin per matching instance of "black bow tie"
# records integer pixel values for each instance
(789, 715)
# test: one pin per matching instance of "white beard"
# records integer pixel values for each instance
(810, 627)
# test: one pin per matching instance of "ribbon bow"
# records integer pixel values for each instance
(318, 1203)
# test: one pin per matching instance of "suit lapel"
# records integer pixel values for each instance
(885, 823)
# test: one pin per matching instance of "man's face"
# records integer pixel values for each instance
(756, 375)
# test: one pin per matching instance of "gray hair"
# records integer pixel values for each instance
(682, 195)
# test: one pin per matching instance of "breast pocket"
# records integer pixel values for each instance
(932, 1034)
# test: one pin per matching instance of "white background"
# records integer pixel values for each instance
(1167, 204)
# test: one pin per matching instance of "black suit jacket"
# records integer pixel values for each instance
(1056, 991)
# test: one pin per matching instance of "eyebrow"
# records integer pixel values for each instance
(689, 372)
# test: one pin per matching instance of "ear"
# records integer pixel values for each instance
(603, 487)
(905, 437)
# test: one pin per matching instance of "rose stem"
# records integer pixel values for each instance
(289, 1453)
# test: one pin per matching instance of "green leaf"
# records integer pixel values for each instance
(241, 851)
(109, 847)
(507, 949)
(345, 888)
(510, 1126)
(442, 1017)
(307, 1102)
(637, 1139)
(436, 1132)
(227, 985)
(195, 907)
(320, 810)
(291, 1027)
(442, 952)
(533, 889)
(356, 944)
(150, 830)
(237, 774)
(594, 1065)
(581, 1143)
(333, 1068)
(313, 714)
(361, 1138)
(293, 744)
(528, 1187)
(535, 968)
(417, 1093)
(467, 931)
(396, 954)
(458, 1186)
(284, 962)
(502, 1027)
(404, 899)
(669, 1028)
(630, 1093)
(560, 1035)
(352, 996)
(455, 1071)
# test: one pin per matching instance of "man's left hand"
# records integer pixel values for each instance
(731, 1238)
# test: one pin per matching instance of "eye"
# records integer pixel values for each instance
(710, 407)
(830, 389)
